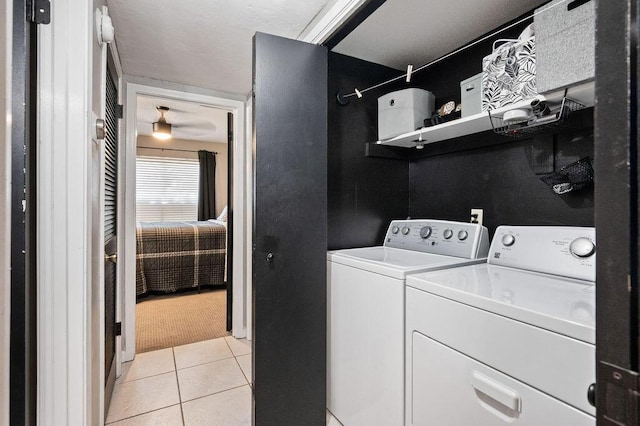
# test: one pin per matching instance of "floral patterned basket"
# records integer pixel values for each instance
(509, 73)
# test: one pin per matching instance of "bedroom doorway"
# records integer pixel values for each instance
(137, 90)
(182, 186)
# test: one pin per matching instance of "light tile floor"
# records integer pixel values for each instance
(199, 384)
(203, 383)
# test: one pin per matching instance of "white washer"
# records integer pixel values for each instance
(509, 341)
(365, 321)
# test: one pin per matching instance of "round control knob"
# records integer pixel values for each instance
(405, 230)
(508, 240)
(447, 234)
(591, 394)
(395, 230)
(462, 235)
(582, 247)
(425, 232)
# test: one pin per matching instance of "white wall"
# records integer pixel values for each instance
(5, 200)
(193, 147)
(64, 249)
(96, 287)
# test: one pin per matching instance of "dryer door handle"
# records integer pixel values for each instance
(496, 391)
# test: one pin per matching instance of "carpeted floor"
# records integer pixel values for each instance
(178, 319)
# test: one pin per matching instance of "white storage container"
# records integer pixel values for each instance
(471, 95)
(403, 111)
(565, 44)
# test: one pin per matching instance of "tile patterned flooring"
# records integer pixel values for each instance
(203, 383)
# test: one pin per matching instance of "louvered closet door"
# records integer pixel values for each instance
(110, 226)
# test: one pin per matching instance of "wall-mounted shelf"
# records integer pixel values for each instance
(456, 128)
(459, 133)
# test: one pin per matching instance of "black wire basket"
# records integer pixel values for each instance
(559, 117)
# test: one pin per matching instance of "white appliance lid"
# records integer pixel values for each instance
(562, 305)
(395, 263)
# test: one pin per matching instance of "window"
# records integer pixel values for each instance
(166, 189)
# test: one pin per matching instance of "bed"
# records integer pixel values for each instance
(172, 256)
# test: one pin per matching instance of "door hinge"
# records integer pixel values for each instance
(118, 329)
(119, 111)
(39, 11)
(619, 402)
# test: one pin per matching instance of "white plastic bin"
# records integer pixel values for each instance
(403, 111)
(471, 95)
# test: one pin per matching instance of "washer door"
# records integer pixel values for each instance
(448, 388)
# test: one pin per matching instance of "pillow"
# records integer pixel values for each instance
(223, 215)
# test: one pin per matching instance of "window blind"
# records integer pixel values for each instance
(166, 189)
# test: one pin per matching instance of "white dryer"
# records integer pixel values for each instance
(365, 329)
(511, 341)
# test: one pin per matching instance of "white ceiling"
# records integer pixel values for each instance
(208, 43)
(190, 121)
(402, 32)
(203, 43)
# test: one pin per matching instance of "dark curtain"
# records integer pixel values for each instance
(207, 191)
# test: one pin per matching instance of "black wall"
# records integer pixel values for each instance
(504, 181)
(364, 194)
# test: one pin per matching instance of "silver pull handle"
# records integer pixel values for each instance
(101, 129)
(111, 257)
(270, 257)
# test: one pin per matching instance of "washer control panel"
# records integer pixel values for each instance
(560, 250)
(460, 239)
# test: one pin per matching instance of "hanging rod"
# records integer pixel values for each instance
(358, 93)
(174, 149)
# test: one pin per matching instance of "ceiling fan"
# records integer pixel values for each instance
(162, 129)
(183, 121)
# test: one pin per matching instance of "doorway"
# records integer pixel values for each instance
(182, 175)
(181, 377)
(139, 94)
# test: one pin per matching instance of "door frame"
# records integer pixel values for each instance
(66, 342)
(127, 285)
(6, 42)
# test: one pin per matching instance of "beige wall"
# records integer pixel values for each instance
(189, 145)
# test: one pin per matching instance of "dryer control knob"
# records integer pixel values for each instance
(425, 232)
(582, 247)
(508, 240)
(394, 230)
(462, 235)
(447, 234)
(405, 230)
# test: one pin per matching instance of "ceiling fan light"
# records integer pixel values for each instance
(162, 129)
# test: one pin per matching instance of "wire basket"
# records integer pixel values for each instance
(560, 117)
